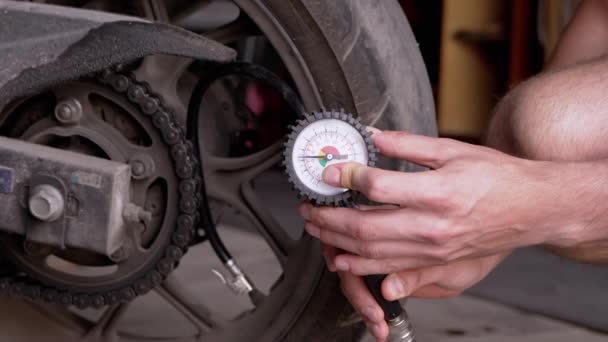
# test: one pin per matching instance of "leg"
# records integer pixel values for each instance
(560, 116)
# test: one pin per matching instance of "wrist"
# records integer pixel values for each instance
(575, 203)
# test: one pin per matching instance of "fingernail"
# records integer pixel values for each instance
(341, 265)
(313, 230)
(370, 313)
(396, 288)
(330, 265)
(373, 130)
(331, 176)
(305, 211)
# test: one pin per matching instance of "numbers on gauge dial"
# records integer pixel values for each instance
(322, 143)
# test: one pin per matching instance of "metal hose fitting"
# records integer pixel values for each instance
(400, 329)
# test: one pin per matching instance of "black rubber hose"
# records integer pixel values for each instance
(218, 71)
(392, 309)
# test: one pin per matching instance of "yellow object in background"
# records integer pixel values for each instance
(468, 85)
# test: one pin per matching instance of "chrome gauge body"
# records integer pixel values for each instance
(320, 140)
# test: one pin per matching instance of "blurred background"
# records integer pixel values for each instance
(475, 50)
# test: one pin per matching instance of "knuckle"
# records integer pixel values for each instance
(444, 194)
(446, 147)
(362, 230)
(399, 140)
(370, 250)
(391, 267)
(441, 254)
(438, 235)
(375, 186)
(412, 279)
(319, 216)
(355, 298)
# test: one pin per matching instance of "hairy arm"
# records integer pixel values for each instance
(561, 114)
(586, 36)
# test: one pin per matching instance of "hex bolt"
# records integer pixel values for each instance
(142, 166)
(68, 111)
(46, 203)
(138, 168)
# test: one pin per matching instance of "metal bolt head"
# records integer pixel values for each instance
(138, 168)
(46, 203)
(68, 111)
(142, 166)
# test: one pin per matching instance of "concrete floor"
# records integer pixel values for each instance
(463, 319)
(469, 319)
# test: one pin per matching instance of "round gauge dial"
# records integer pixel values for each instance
(321, 140)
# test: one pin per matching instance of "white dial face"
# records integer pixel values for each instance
(323, 143)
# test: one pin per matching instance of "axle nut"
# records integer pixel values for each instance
(46, 203)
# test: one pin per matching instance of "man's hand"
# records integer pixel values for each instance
(475, 202)
(432, 282)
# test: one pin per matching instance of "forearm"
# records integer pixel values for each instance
(585, 189)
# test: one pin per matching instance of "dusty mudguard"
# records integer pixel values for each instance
(42, 45)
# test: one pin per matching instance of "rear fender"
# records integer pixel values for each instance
(42, 45)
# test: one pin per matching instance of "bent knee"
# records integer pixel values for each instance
(560, 116)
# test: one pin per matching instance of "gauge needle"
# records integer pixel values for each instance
(327, 156)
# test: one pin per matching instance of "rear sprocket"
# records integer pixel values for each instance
(123, 120)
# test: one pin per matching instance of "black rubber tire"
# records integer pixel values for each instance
(363, 57)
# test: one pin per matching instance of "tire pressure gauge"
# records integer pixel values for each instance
(316, 142)
(322, 139)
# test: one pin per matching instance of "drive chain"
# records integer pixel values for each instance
(188, 171)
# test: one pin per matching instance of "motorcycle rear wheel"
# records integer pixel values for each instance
(356, 55)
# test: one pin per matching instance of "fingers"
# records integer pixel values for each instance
(419, 149)
(329, 253)
(364, 303)
(360, 265)
(377, 249)
(381, 224)
(434, 292)
(382, 186)
(440, 281)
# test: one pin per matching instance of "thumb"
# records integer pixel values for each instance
(403, 284)
(346, 175)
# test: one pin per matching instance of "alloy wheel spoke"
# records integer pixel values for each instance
(197, 314)
(242, 197)
(106, 326)
(251, 165)
(61, 315)
(230, 180)
(231, 32)
(278, 239)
